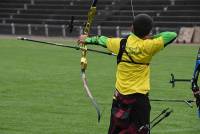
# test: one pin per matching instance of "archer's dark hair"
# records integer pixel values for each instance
(142, 25)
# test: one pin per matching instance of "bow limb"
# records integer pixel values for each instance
(194, 82)
(86, 31)
(94, 103)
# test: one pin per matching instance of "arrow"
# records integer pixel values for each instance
(62, 45)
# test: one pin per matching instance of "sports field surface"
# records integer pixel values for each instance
(41, 90)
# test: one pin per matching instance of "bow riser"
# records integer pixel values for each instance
(91, 14)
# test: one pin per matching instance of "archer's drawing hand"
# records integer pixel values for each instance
(81, 39)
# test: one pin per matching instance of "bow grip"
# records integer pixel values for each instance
(83, 63)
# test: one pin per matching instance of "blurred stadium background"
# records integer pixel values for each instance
(53, 17)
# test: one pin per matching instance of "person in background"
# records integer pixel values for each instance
(130, 112)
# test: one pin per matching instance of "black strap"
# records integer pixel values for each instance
(122, 50)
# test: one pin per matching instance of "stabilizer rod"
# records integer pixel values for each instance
(188, 102)
(164, 111)
(164, 114)
(173, 80)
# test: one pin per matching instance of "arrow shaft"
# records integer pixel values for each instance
(62, 45)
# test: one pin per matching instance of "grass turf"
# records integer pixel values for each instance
(41, 91)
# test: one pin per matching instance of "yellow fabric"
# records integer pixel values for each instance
(134, 78)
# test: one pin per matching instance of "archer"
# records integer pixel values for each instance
(130, 113)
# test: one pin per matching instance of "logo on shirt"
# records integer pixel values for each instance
(133, 51)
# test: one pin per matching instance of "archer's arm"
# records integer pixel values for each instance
(97, 40)
(159, 41)
(112, 44)
(168, 37)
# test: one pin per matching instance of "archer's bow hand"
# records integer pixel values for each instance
(81, 39)
(196, 92)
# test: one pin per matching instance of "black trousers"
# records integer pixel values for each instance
(130, 114)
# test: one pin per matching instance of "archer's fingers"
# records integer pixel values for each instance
(81, 39)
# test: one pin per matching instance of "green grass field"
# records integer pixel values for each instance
(41, 90)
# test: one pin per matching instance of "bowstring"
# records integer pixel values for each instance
(133, 13)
